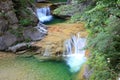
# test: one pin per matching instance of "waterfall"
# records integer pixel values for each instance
(44, 14)
(75, 55)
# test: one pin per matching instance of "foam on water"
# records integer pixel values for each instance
(75, 54)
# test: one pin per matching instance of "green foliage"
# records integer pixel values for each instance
(17, 32)
(65, 9)
(25, 22)
(103, 22)
(23, 13)
(100, 68)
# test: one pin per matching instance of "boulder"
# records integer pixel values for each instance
(7, 40)
(35, 33)
(11, 16)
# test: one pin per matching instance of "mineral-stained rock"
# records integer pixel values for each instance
(53, 43)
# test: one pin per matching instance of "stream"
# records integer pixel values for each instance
(30, 68)
(19, 68)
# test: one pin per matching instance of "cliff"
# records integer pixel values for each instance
(17, 17)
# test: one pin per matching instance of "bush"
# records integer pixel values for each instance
(103, 21)
(25, 22)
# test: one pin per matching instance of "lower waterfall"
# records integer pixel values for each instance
(75, 54)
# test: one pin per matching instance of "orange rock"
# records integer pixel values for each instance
(58, 33)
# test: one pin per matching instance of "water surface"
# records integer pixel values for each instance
(32, 69)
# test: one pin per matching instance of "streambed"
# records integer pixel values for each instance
(19, 68)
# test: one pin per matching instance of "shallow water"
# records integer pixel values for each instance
(32, 69)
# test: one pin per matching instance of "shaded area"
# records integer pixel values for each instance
(55, 20)
(56, 1)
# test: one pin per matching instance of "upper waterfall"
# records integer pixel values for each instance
(44, 14)
(75, 54)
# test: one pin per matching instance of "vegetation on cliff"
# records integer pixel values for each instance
(23, 11)
(102, 19)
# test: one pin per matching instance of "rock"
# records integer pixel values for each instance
(33, 17)
(20, 46)
(66, 17)
(21, 52)
(36, 33)
(11, 31)
(3, 25)
(11, 16)
(14, 26)
(56, 5)
(2, 44)
(53, 7)
(87, 72)
(69, 1)
(6, 5)
(7, 40)
(41, 1)
(53, 43)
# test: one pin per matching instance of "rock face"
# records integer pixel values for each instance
(7, 16)
(7, 40)
(14, 27)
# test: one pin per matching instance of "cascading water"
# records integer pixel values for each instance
(44, 14)
(75, 55)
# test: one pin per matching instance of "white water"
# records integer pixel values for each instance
(75, 55)
(44, 14)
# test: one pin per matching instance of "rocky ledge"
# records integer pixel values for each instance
(17, 26)
(53, 43)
